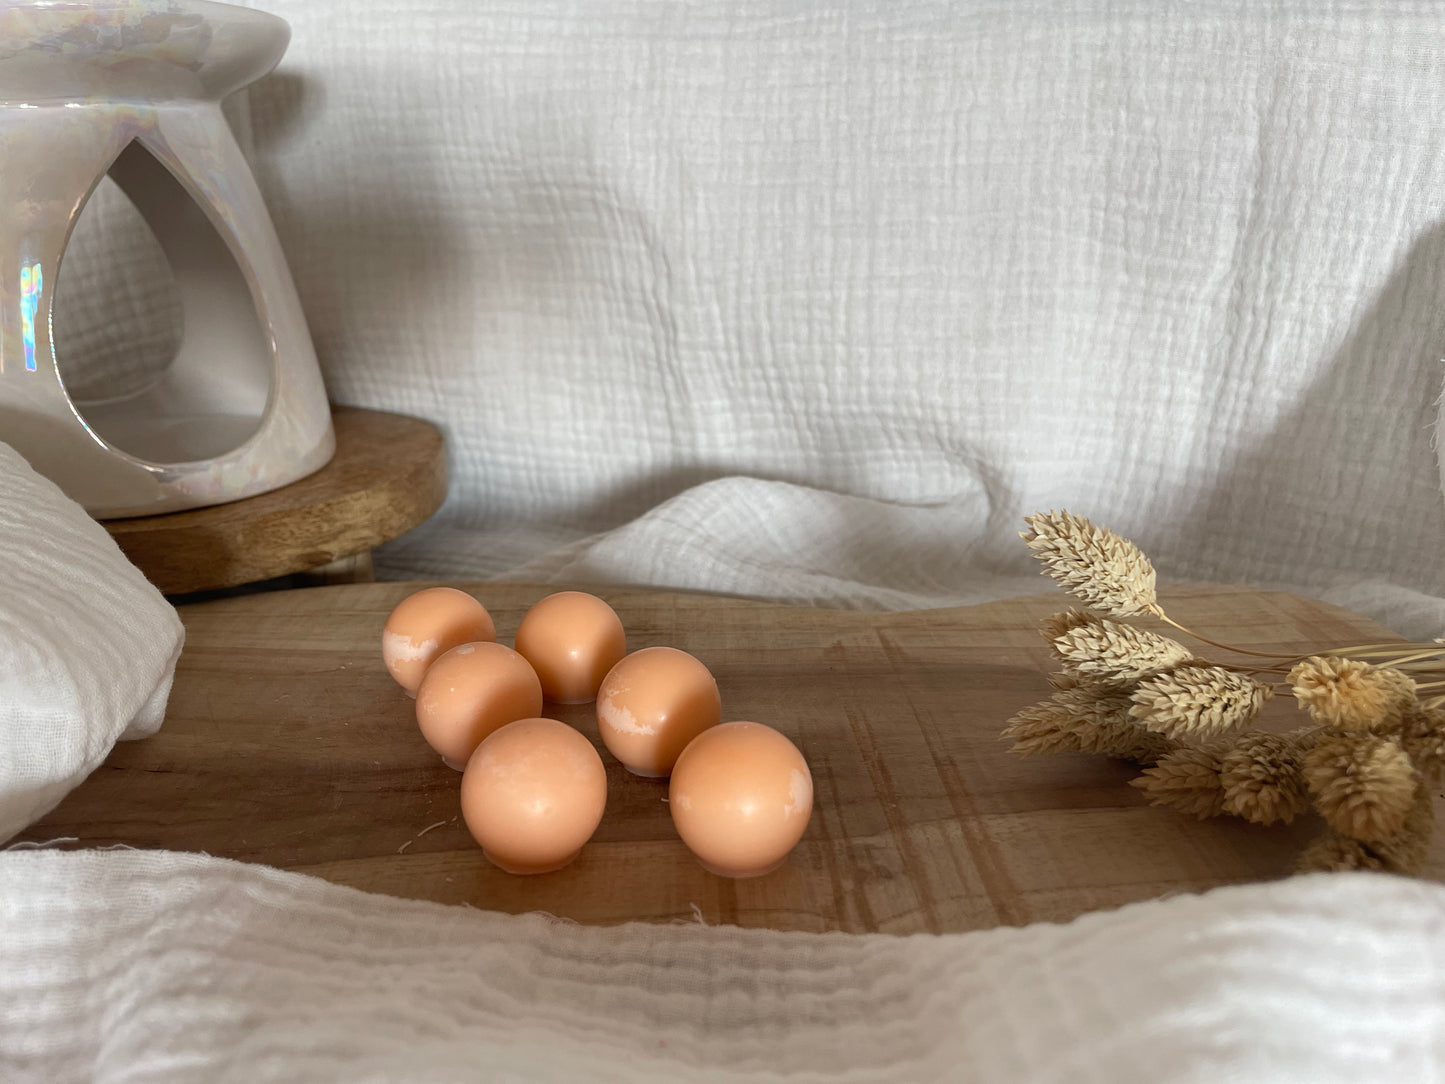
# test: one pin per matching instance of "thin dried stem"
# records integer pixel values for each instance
(1413, 658)
(1362, 651)
(1227, 647)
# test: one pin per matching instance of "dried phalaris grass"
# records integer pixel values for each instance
(1335, 852)
(1095, 565)
(1422, 736)
(1377, 733)
(1409, 848)
(1081, 721)
(1404, 852)
(1126, 740)
(1064, 681)
(1362, 784)
(1056, 625)
(1351, 694)
(1060, 624)
(1188, 780)
(1052, 726)
(1117, 652)
(1263, 778)
(1197, 703)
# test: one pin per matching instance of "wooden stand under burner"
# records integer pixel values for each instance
(388, 475)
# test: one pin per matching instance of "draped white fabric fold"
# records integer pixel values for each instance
(87, 647)
(169, 967)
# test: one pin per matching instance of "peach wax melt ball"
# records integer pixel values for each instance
(571, 639)
(533, 794)
(741, 796)
(651, 704)
(427, 624)
(471, 691)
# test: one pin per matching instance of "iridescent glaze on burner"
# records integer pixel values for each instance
(133, 88)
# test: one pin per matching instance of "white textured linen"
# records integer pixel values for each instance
(933, 265)
(87, 647)
(164, 967)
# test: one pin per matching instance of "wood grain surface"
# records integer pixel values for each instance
(287, 743)
(388, 475)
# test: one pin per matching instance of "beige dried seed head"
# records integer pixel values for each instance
(1042, 728)
(1404, 852)
(1187, 780)
(1351, 694)
(1064, 681)
(1082, 721)
(1363, 785)
(1198, 703)
(1263, 778)
(1422, 736)
(1104, 571)
(1408, 849)
(1123, 738)
(1055, 625)
(1070, 680)
(1335, 852)
(1118, 652)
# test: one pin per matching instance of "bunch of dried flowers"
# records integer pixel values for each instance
(1364, 763)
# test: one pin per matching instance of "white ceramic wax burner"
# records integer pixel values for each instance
(134, 89)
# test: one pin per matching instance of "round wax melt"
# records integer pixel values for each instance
(533, 794)
(571, 639)
(471, 691)
(741, 796)
(426, 625)
(651, 704)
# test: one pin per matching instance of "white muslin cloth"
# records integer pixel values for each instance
(817, 300)
(168, 967)
(87, 647)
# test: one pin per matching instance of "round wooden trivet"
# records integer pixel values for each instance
(388, 475)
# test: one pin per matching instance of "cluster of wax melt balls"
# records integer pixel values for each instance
(534, 789)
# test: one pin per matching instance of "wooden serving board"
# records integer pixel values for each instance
(287, 743)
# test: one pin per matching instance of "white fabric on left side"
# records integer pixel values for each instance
(171, 967)
(88, 647)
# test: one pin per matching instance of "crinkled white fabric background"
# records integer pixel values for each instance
(816, 301)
